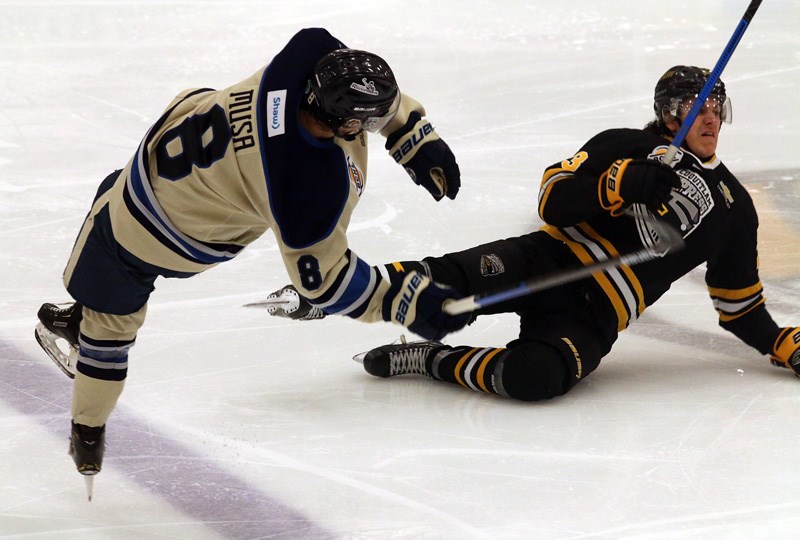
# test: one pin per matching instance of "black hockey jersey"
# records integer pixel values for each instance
(712, 210)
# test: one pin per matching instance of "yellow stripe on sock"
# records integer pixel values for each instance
(460, 364)
(482, 369)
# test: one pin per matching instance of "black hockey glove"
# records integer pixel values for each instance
(287, 302)
(630, 181)
(786, 351)
(416, 302)
(426, 158)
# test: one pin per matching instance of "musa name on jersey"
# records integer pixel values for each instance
(219, 168)
(712, 210)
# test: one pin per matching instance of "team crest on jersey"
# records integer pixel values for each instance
(693, 202)
(491, 265)
(355, 176)
(685, 210)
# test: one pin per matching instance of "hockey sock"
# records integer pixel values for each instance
(471, 367)
(94, 399)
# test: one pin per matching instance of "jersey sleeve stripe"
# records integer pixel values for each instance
(550, 177)
(353, 287)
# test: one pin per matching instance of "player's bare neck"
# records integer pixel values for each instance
(315, 126)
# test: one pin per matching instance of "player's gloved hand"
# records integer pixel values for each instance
(630, 181)
(786, 351)
(287, 302)
(426, 158)
(416, 302)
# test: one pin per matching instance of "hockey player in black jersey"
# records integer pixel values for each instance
(596, 204)
(285, 149)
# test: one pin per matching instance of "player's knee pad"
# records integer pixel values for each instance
(533, 371)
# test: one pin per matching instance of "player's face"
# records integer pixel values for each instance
(703, 136)
(349, 129)
(374, 124)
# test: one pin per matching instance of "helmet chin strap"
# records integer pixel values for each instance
(348, 138)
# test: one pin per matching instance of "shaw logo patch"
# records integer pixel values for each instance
(491, 265)
(276, 107)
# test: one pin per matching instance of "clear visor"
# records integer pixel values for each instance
(373, 124)
(680, 107)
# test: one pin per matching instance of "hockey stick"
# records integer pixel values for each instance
(668, 239)
(712, 80)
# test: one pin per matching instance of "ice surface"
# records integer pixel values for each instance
(237, 425)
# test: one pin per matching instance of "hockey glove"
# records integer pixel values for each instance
(630, 181)
(287, 302)
(786, 351)
(427, 158)
(416, 302)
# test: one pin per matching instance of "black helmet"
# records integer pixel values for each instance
(348, 84)
(681, 82)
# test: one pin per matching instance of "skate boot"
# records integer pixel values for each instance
(399, 358)
(86, 446)
(60, 322)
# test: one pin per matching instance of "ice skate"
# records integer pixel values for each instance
(86, 447)
(287, 302)
(57, 333)
(401, 358)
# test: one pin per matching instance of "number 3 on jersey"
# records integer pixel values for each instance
(310, 276)
(199, 141)
(574, 162)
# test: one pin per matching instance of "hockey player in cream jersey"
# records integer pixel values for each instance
(286, 150)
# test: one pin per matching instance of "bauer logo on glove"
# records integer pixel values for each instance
(417, 303)
(411, 142)
(426, 158)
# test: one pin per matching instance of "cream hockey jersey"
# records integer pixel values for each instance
(219, 168)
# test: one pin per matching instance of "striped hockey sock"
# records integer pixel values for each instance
(471, 367)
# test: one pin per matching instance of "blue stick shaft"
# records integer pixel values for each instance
(712, 80)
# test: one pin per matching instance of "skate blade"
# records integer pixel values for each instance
(89, 481)
(48, 341)
(268, 303)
